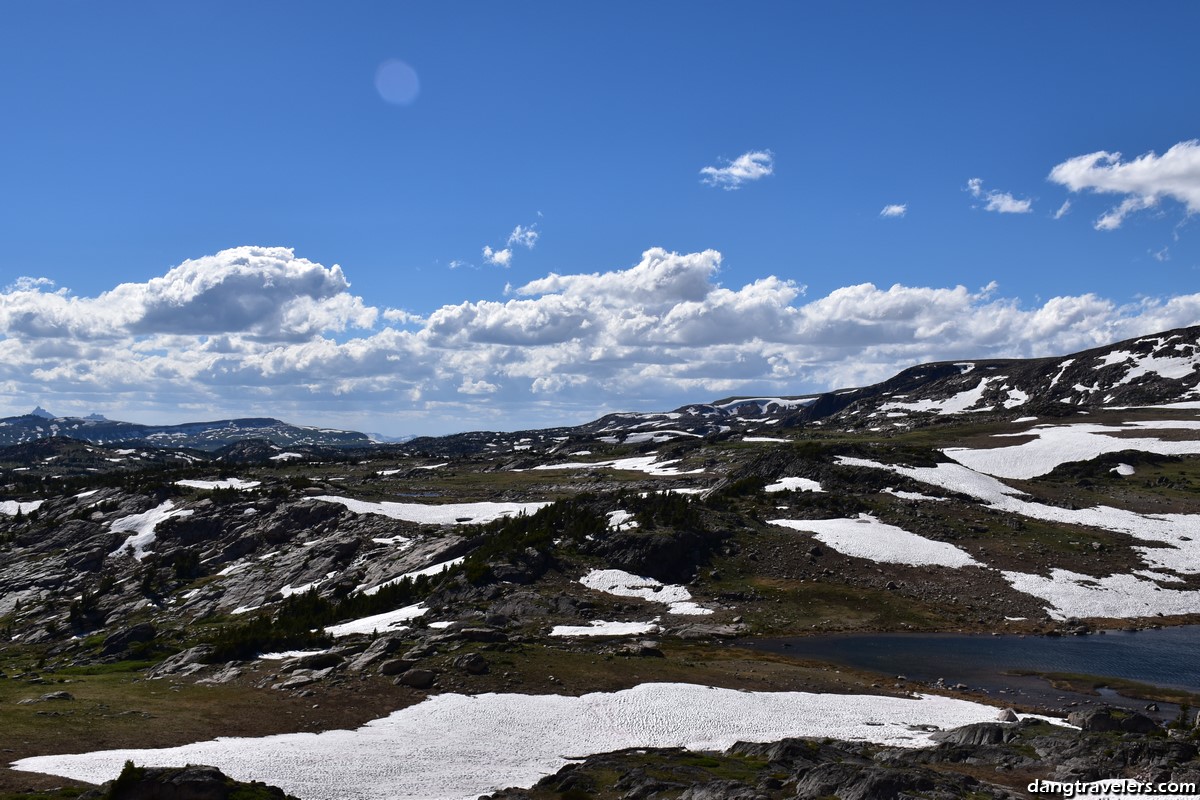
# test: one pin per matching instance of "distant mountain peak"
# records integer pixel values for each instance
(43, 413)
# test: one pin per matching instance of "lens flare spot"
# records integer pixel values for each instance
(397, 82)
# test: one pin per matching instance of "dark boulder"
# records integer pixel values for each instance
(192, 782)
(122, 640)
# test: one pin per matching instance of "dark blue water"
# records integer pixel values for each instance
(1164, 657)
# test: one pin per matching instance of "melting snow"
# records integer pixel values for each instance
(444, 514)
(626, 584)
(228, 483)
(867, 537)
(1058, 444)
(1123, 469)
(382, 623)
(911, 495)
(648, 464)
(620, 519)
(956, 404)
(141, 528)
(12, 507)
(460, 746)
(601, 628)
(1177, 531)
(286, 654)
(433, 569)
(1071, 594)
(794, 485)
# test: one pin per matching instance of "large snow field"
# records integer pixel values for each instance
(1071, 594)
(626, 584)
(867, 537)
(647, 464)
(461, 746)
(141, 528)
(1058, 444)
(442, 514)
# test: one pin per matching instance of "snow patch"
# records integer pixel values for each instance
(382, 623)
(444, 514)
(141, 528)
(867, 537)
(600, 628)
(626, 584)
(794, 485)
(227, 483)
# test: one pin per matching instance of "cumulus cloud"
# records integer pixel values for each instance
(747, 167)
(563, 348)
(1063, 209)
(894, 210)
(1000, 202)
(1145, 181)
(524, 236)
(500, 258)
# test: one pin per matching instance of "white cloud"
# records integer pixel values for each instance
(1000, 202)
(894, 210)
(28, 284)
(500, 258)
(469, 386)
(559, 349)
(402, 317)
(523, 236)
(745, 168)
(1145, 181)
(1063, 209)
(1162, 255)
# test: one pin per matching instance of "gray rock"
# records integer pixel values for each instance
(396, 666)
(315, 661)
(417, 678)
(379, 649)
(192, 782)
(184, 662)
(722, 790)
(473, 663)
(977, 733)
(58, 696)
(699, 630)
(482, 635)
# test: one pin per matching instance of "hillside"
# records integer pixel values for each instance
(180, 591)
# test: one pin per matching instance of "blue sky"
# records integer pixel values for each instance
(140, 137)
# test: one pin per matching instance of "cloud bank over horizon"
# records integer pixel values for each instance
(259, 330)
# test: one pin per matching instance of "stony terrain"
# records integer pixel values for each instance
(175, 590)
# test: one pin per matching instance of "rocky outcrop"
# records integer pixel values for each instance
(192, 782)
